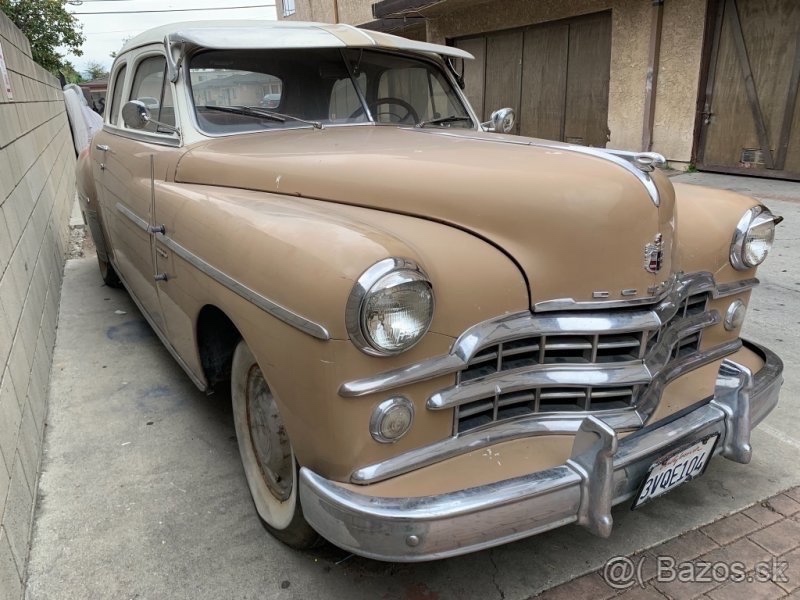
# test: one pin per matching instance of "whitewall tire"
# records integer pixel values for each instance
(266, 452)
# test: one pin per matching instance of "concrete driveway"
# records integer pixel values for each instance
(142, 494)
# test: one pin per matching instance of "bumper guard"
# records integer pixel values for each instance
(601, 472)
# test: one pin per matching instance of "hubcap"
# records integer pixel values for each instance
(268, 436)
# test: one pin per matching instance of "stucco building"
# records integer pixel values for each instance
(712, 83)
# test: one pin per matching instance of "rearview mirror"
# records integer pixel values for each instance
(501, 121)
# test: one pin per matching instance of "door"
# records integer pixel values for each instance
(554, 75)
(750, 120)
(133, 159)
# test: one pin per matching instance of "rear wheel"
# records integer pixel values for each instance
(267, 456)
(107, 272)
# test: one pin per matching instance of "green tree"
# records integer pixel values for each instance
(70, 73)
(94, 70)
(48, 25)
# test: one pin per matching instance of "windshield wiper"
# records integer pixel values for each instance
(254, 111)
(440, 120)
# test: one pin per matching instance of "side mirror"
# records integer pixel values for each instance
(501, 121)
(136, 115)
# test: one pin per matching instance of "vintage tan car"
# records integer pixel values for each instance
(438, 337)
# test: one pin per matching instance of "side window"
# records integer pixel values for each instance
(116, 99)
(149, 87)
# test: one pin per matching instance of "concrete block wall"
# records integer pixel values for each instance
(37, 187)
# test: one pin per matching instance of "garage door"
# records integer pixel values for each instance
(555, 76)
(751, 115)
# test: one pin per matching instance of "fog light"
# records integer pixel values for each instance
(734, 317)
(391, 420)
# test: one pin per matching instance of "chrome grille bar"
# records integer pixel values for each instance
(592, 319)
(582, 380)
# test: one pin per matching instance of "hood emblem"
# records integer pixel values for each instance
(654, 255)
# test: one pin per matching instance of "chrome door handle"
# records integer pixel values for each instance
(102, 147)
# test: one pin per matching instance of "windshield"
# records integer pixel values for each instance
(238, 91)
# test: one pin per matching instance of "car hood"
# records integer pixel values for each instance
(577, 225)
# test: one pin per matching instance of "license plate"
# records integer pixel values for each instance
(680, 466)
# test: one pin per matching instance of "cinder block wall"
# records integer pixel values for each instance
(37, 187)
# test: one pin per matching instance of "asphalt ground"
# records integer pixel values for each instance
(142, 494)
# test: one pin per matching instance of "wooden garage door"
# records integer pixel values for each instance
(751, 116)
(555, 76)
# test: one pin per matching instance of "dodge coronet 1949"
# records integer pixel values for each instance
(438, 337)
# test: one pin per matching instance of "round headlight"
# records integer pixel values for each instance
(390, 307)
(753, 238)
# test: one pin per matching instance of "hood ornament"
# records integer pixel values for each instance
(654, 254)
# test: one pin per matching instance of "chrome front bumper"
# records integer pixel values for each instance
(602, 471)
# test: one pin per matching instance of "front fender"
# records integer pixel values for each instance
(306, 256)
(707, 219)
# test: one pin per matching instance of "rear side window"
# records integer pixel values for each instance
(116, 99)
(151, 88)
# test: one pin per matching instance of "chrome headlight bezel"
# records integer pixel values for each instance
(365, 287)
(754, 217)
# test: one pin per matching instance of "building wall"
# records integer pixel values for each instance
(678, 75)
(354, 12)
(681, 50)
(37, 163)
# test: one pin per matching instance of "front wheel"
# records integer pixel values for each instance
(267, 456)
(107, 272)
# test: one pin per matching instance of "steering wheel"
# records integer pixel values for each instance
(410, 112)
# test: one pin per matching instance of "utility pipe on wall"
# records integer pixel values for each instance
(651, 82)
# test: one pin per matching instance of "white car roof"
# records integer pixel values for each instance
(239, 35)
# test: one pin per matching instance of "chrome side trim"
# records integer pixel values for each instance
(526, 323)
(276, 310)
(627, 419)
(133, 217)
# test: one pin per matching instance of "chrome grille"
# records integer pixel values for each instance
(526, 353)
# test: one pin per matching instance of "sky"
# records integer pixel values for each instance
(106, 33)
